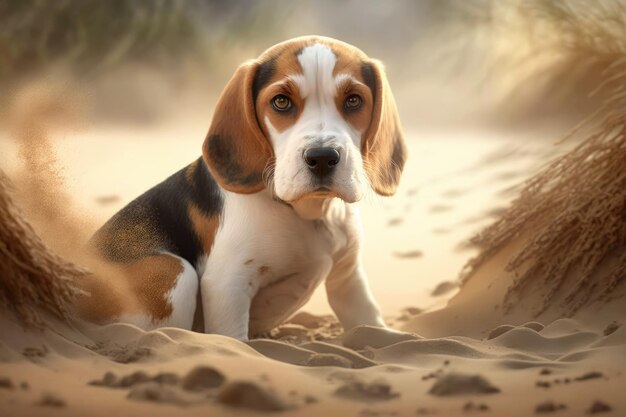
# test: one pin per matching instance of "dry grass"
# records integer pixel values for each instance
(32, 278)
(576, 206)
(35, 282)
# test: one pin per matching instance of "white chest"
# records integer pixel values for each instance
(275, 256)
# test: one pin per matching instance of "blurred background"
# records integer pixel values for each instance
(485, 89)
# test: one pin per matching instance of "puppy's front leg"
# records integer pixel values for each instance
(226, 299)
(350, 297)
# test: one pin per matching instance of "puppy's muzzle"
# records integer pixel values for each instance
(321, 161)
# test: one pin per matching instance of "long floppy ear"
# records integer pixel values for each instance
(383, 148)
(235, 150)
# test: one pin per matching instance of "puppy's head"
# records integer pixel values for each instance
(314, 115)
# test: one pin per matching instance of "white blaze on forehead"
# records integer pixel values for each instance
(317, 63)
(320, 124)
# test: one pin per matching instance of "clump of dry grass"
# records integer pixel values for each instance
(33, 279)
(575, 207)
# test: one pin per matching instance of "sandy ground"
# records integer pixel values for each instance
(563, 367)
(466, 358)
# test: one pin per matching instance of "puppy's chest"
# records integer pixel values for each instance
(302, 253)
(271, 243)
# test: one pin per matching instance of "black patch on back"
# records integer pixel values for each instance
(263, 75)
(158, 219)
(220, 149)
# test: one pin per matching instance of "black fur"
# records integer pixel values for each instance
(263, 75)
(367, 72)
(158, 219)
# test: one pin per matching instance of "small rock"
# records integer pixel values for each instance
(549, 407)
(250, 395)
(611, 328)
(201, 378)
(35, 352)
(133, 379)
(500, 330)
(471, 407)
(329, 359)
(461, 384)
(589, 375)
(155, 392)
(599, 407)
(51, 400)
(6, 383)
(108, 380)
(373, 391)
(543, 384)
(545, 371)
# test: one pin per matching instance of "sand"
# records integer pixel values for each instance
(563, 367)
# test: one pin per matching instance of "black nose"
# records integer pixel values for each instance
(321, 161)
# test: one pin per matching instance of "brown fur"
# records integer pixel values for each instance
(383, 148)
(235, 150)
(138, 287)
(204, 227)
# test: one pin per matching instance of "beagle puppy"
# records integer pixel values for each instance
(236, 242)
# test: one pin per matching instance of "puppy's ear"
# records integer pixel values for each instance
(383, 148)
(235, 150)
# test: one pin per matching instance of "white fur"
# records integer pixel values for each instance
(183, 297)
(320, 124)
(296, 254)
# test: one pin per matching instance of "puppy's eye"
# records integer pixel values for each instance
(353, 102)
(281, 103)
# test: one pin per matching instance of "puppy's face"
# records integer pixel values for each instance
(314, 115)
(315, 108)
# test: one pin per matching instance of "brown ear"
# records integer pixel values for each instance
(235, 149)
(383, 148)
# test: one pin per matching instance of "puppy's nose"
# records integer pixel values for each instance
(321, 161)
